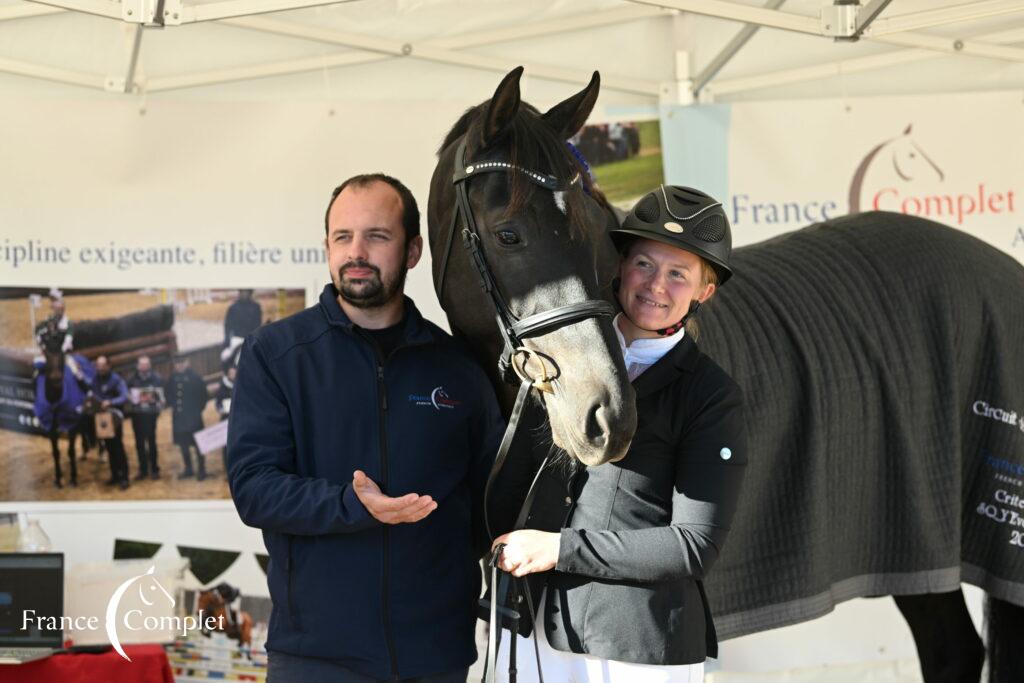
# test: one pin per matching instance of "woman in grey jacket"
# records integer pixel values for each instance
(617, 553)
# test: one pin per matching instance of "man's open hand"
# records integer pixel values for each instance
(405, 509)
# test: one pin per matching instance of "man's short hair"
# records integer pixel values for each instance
(410, 212)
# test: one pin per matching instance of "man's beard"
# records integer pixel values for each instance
(370, 292)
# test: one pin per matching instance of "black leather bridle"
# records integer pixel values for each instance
(513, 329)
(514, 355)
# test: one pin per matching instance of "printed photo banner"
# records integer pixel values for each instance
(779, 166)
(174, 350)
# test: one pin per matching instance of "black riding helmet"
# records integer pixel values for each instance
(685, 218)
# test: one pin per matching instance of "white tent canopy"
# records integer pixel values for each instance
(647, 50)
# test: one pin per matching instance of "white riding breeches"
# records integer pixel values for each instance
(569, 667)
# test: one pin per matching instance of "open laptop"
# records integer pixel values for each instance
(30, 581)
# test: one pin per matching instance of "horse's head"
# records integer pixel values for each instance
(545, 243)
(909, 161)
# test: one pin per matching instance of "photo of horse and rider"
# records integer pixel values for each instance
(122, 394)
(625, 157)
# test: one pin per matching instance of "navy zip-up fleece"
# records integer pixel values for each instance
(314, 401)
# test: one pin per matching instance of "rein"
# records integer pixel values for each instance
(514, 356)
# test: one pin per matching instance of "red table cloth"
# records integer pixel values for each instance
(149, 665)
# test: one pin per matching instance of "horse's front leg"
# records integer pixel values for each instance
(72, 437)
(55, 450)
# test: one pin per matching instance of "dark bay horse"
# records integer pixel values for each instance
(556, 237)
(61, 388)
(881, 359)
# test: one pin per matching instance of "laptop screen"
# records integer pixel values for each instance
(31, 599)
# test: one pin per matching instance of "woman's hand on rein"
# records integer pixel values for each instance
(528, 551)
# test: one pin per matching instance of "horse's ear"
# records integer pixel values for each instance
(568, 116)
(503, 107)
(906, 131)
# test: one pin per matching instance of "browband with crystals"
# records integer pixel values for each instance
(548, 182)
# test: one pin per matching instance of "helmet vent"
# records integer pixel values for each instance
(648, 210)
(711, 229)
(685, 201)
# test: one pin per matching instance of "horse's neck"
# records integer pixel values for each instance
(54, 372)
(54, 362)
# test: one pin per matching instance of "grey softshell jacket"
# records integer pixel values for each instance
(638, 535)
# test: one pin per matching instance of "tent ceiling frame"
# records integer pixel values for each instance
(177, 13)
(864, 20)
(27, 10)
(849, 22)
(577, 22)
(789, 21)
(133, 44)
(955, 46)
(729, 51)
(939, 17)
(866, 15)
(51, 73)
(99, 8)
(432, 53)
(786, 21)
(376, 49)
(848, 66)
(368, 49)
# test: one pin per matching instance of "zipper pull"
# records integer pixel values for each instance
(380, 384)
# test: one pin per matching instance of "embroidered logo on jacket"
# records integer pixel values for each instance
(438, 398)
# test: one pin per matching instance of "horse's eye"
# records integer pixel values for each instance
(508, 237)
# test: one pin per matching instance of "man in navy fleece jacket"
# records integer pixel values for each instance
(359, 441)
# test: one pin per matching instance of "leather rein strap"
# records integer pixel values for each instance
(500, 584)
(513, 331)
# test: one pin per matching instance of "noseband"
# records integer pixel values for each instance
(513, 329)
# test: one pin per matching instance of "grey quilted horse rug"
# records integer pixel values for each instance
(882, 361)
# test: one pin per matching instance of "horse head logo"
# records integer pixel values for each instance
(150, 591)
(437, 394)
(907, 160)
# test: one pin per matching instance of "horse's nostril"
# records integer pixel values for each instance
(597, 427)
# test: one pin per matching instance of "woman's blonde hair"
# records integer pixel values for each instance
(709, 276)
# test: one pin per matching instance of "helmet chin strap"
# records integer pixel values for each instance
(672, 329)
